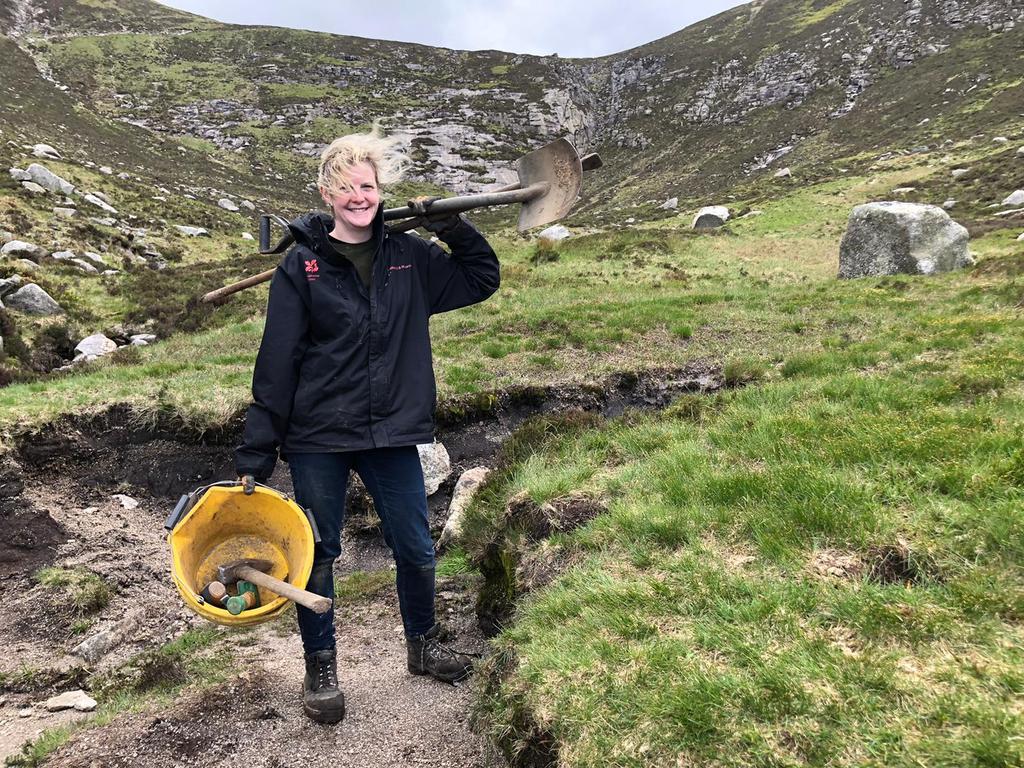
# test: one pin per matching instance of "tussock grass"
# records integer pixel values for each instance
(84, 591)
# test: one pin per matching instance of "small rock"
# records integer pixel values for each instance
(191, 231)
(65, 213)
(126, 501)
(247, 236)
(630, 220)
(25, 712)
(26, 266)
(97, 344)
(227, 205)
(94, 200)
(783, 173)
(670, 205)
(1020, 236)
(104, 221)
(19, 175)
(20, 248)
(248, 205)
(555, 233)
(33, 188)
(78, 700)
(63, 255)
(33, 300)
(436, 464)
(904, 190)
(95, 258)
(465, 489)
(46, 152)
(959, 173)
(710, 217)
(145, 338)
(106, 170)
(9, 285)
(1020, 152)
(1015, 198)
(1000, 140)
(85, 266)
(949, 204)
(750, 214)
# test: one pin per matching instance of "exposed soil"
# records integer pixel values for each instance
(65, 512)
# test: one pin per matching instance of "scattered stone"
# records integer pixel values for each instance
(436, 463)
(9, 285)
(104, 221)
(959, 173)
(50, 181)
(65, 213)
(1020, 236)
(904, 190)
(248, 205)
(750, 214)
(25, 712)
(1020, 152)
(191, 231)
(106, 170)
(46, 152)
(555, 233)
(33, 188)
(126, 501)
(227, 205)
(465, 489)
(19, 175)
(1011, 212)
(94, 648)
(27, 266)
(95, 258)
(20, 248)
(783, 173)
(889, 238)
(630, 220)
(949, 204)
(78, 700)
(96, 345)
(1000, 140)
(670, 205)
(247, 236)
(100, 204)
(85, 266)
(63, 255)
(142, 339)
(1015, 198)
(710, 217)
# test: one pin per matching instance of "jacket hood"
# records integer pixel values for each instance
(311, 230)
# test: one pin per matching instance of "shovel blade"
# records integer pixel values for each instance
(557, 163)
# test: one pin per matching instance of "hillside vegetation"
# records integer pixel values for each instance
(819, 563)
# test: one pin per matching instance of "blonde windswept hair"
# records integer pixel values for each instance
(382, 153)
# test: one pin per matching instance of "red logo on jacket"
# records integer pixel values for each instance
(312, 270)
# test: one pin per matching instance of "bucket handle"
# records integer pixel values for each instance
(312, 524)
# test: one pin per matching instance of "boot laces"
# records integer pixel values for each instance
(433, 651)
(326, 677)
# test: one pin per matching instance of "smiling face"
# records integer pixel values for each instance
(355, 208)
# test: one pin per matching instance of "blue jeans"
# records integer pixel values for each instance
(394, 478)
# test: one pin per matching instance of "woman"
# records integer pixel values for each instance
(344, 380)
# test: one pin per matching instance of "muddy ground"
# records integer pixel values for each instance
(59, 505)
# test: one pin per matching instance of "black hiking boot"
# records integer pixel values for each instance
(321, 699)
(427, 656)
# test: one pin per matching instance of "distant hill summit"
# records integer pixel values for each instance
(692, 114)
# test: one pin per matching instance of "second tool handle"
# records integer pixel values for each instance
(315, 603)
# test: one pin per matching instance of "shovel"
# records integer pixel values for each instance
(550, 179)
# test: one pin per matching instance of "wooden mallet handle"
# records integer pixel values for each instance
(315, 603)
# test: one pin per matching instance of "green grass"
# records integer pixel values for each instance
(704, 625)
(83, 591)
(359, 586)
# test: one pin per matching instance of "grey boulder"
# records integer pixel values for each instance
(46, 152)
(19, 175)
(95, 200)
(1015, 198)
(710, 217)
(33, 300)
(20, 249)
(465, 489)
(555, 233)
(890, 238)
(227, 205)
(49, 180)
(96, 345)
(33, 188)
(436, 464)
(191, 231)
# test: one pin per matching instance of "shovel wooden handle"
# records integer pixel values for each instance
(315, 603)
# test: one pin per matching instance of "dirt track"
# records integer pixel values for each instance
(70, 517)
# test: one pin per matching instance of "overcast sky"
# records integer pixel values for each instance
(571, 28)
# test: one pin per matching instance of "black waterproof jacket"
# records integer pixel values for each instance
(344, 368)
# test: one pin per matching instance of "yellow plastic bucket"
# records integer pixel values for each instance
(218, 524)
